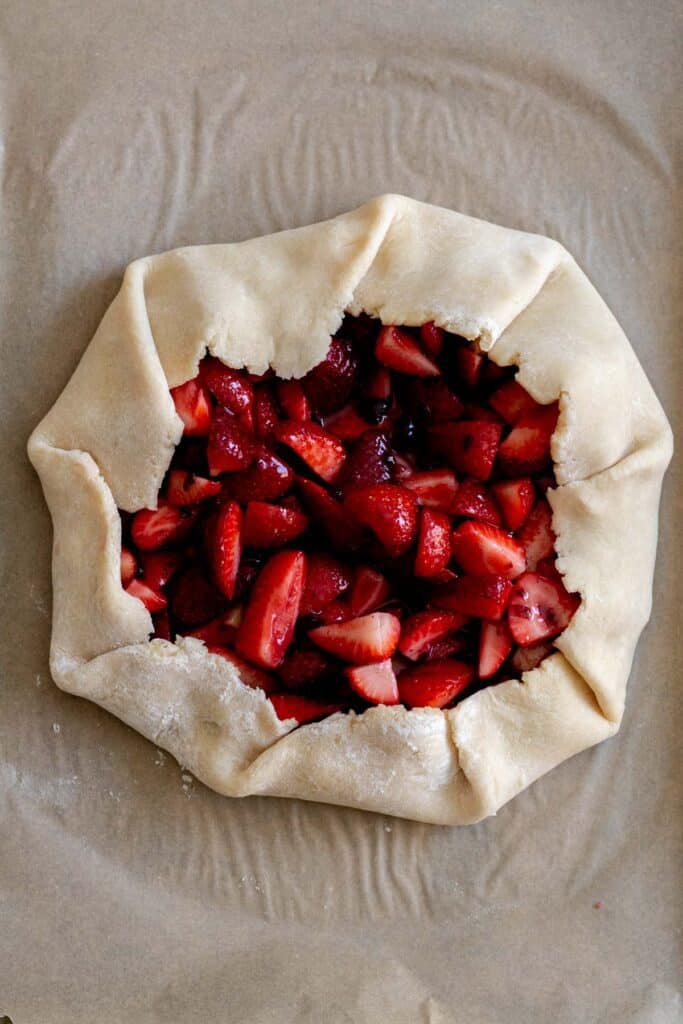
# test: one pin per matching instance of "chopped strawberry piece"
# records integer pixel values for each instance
(343, 532)
(375, 683)
(230, 447)
(438, 403)
(526, 658)
(537, 534)
(446, 648)
(329, 384)
(515, 499)
(152, 528)
(481, 549)
(227, 547)
(548, 567)
(326, 579)
(256, 678)
(187, 489)
(390, 511)
(474, 501)
(469, 364)
(129, 566)
(432, 337)
(423, 629)
(337, 611)
(303, 668)
(368, 462)
(347, 424)
(159, 567)
(293, 400)
(401, 467)
(526, 449)
(369, 591)
(265, 414)
(194, 599)
(434, 488)
(434, 684)
(220, 632)
(272, 526)
(495, 643)
(400, 352)
(539, 609)
(162, 626)
(433, 543)
(193, 405)
(152, 601)
(482, 597)
(267, 478)
(231, 388)
(368, 639)
(291, 705)
(322, 452)
(470, 446)
(513, 402)
(272, 610)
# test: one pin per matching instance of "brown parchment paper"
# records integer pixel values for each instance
(128, 892)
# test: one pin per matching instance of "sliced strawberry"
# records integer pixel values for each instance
(220, 632)
(515, 499)
(368, 639)
(250, 676)
(512, 402)
(446, 648)
(436, 400)
(329, 384)
(293, 400)
(470, 446)
(433, 488)
(267, 478)
(347, 424)
(434, 684)
(337, 611)
(390, 511)
(193, 405)
(422, 630)
(400, 352)
(129, 566)
(433, 543)
(539, 609)
(375, 683)
(291, 705)
(322, 452)
(369, 591)
(469, 364)
(152, 528)
(495, 643)
(482, 597)
(265, 413)
(480, 549)
(329, 514)
(194, 599)
(152, 601)
(368, 462)
(187, 489)
(548, 567)
(526, 449)
(432, 337)
(303, 668)
(272, 610)
(159, 567)
(162, 626)
(537, 534)
(474, 501)
(227, 547)
(272, 526)
(526, 658)
(326, 579)
(230, 447)
(231, 388)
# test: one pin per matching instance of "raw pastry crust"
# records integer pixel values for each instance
(275, 301)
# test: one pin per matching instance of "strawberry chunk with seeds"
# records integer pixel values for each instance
(227, 547)
(539, 609)
(527, 658)
(231, 388)
(129, 566)
(481, 549)
(321, 452)
(303, 668)
(433, 543)
(193, 405)
(159, 567)
(194, 598)
(369, 591)
(537, 534)
(422, 630)
(329, 384)
(230, 447)
(481, 597)
(291, 705)
(347, 424)
(512, 402)
(495, 643)
(515, 499)
(152, 601)
(265, 414)
(272, 526)
(267, 478)
(184, 488)
(361, 641)
(390, 511)
(272, 610)
(469, 364)
(433, 488)
(526, 449)
(474, 501)
(401, 353)
(434, 684)
(152, 528)
(368, 461)
(438, 403)
(375, 683)
(326, 579)
(470, 446)
(431, 338)
(343, 532)
(293, 400)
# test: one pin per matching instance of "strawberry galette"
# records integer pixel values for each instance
(382, 491)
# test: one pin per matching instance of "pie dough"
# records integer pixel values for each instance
(109, 438)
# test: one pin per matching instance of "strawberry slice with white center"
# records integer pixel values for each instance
(480, 549)
(291, 705)
(434, 684)
(270, 616)
(390, 511)
(526, 449)
(495, 643)
(434, 488)
(293, 400)
(481, 597)
(397, 350)
(515, 500)
(470, 446)
(187, 489)
(539, 609)
(433, 543)
(431, 338)
(423, 629)
(527, 658)
(231, 388)
(321, 451)
(272, 526)
(227, 547)
(537, 534)
(347, 424)
(159, 567)
(474, 501)
(361, 641)
(512, 402)
(230, 445)
(193, 405)
(326, 579)
(375, 683)
(152, 528)
(129, 566)
(369, 591)
(267, 478)
(152, 601)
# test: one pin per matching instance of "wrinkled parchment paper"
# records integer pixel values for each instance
(128, 892)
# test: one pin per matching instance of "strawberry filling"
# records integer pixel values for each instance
(376, 532)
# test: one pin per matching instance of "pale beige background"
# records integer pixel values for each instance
(128, 894)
